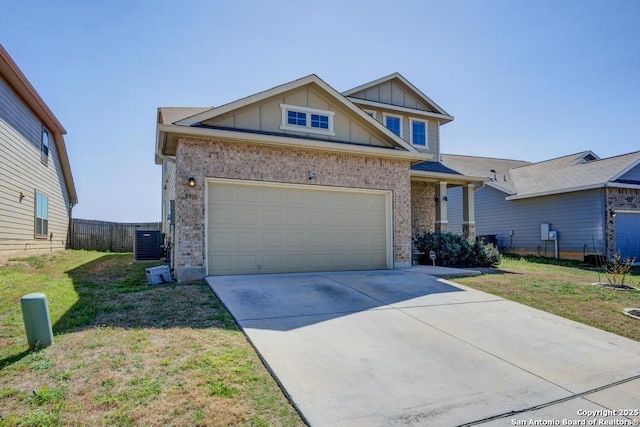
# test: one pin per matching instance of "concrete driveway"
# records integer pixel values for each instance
(396, 348)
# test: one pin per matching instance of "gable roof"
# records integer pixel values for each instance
(169, 115)
(575, 172)
(571, 173)
(403, 82)
(191, 124)
(497, 171)
(17, 80)
(438, 171)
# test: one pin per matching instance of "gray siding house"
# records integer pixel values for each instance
(593, 204)
(302, 177)
(36, 186)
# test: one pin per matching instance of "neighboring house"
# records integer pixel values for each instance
(36, 186)
(301, 177)
(592, 203)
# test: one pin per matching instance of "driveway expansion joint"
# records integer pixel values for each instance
(553, 402)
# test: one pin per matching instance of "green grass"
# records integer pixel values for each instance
(126, 353)
(564, 288)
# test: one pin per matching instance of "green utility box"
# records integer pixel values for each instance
(37, 323)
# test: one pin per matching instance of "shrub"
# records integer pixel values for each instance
(453, 249)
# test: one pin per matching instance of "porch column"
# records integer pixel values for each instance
(468, 212)
(442, 223)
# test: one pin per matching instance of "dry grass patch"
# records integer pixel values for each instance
(129, 354)
(564, 288)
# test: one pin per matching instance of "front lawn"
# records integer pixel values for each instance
(564, 288)
(126, 353)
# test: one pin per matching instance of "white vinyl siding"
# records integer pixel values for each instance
(22, 173)
(271, 228)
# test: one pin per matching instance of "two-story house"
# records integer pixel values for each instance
(36, 186)
(303, 178)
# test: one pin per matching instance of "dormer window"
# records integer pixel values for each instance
(305, 119)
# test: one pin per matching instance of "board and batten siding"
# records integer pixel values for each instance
(21, 170)
(266, 116)
(578, 217)
(392, 93)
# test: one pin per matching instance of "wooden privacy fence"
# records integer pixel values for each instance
(106, 236)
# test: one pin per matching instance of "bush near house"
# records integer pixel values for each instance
(454, 250)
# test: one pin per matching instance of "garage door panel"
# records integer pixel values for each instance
(247, 195)
(272, 196)
(295, 218)
(246, 239)
(219, 239)
(247, 217)
(271, 239)
(628, 234)
(268, 229)
(220, 262)
(318, 239)
(272, 262)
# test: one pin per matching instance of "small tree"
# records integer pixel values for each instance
(617, 268)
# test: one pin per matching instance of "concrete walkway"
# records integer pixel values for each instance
(397, 348)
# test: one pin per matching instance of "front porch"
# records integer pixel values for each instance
(430, 182)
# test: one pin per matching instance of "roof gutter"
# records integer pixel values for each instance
(287, 142)
(441, 176)
(552, 192)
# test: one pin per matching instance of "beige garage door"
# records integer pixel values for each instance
(256, 228)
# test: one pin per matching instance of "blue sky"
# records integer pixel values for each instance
(528, 80)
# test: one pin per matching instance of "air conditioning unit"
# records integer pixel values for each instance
(148, 245)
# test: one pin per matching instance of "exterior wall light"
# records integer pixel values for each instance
(192, 182)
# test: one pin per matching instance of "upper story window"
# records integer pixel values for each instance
(418, 132)
(371, 113)
(44, 146)
(42, 215)
(393, 123)
(305, 119)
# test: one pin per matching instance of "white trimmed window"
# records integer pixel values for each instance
(44, 146)
(418, 132)
(393, 123)
(305, 119)
(42, 215)
(371, 113)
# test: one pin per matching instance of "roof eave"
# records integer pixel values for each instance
(418, 175)
(406, 82)
(410, 111)
(207, 115)
(169, 132)
(21, 85)
(560, 191)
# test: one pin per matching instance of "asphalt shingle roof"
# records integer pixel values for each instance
(569, 172)
(169, 115)
(497, 170)
(563, 174)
